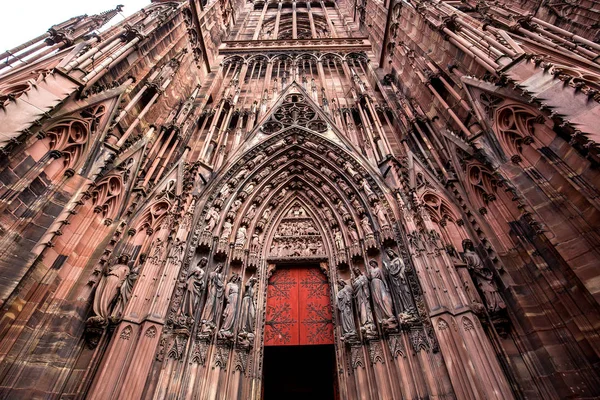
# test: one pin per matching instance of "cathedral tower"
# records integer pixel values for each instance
(303, 199)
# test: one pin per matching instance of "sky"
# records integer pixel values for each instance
(23, 20)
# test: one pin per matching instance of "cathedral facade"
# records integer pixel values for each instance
(285, 199)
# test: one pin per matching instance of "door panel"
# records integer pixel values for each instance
(298, 308)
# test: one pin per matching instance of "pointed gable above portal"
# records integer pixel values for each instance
(295, 107)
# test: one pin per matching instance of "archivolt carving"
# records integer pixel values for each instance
(282, 168)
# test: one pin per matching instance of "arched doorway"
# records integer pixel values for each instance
(299, 358)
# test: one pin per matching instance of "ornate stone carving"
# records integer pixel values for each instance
(396, 345)
(376, 352)
(382, 298)
(232, 292)
(362, 294)
(114, 290)
(484, 279)
(400, 286)
(194, 288)
(357, 358)
(247, 315)
(346, 312)
(213, 300)
(297, 237)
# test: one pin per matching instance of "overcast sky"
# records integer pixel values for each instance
(25, 19)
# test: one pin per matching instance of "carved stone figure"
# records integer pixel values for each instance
(367, 188)
(382, 298)
(226, 232)
(242, 174)
(360, 286)
(350, 170)
(249, 188)
(126, 289)
(281, 195)
(328, 192)
(344, 186)
(235, 206)
(213, 299)
(357, 205)
(399, 284)
(267, 213)
(366, 225)
(224, 191)
(326, 171)
(109, 288)
(240, 237)
(232, 292)
(381, 215)
(344, 306)
(251, 212)
(255, 245)
(353, 233)
(484, 278)
(248, 310)
(212, 216)
(194, 288)
(339, 239)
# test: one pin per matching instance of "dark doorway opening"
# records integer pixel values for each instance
(299, 372)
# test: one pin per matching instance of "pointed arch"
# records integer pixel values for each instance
(295, 164)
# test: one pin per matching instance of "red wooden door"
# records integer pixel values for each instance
(298, 308)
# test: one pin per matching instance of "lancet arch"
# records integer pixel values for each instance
(296, 160)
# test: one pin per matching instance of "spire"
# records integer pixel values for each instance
(75, 28)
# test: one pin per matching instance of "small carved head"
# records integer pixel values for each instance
(467, 245)
(391, 253)
(203, 261)
(123, 259)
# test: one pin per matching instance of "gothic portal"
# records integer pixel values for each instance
(323, 199)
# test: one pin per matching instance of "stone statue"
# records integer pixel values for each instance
(109, 288)
(213, 299)
(224, 192)
(381, 216)
(267, 213)
(232, 292)
(255, 245)
(382, 298)
(397, 273)
(249, 188)
(235, 206)
(248, 311)
(194, 287)
(125, 290)
(484, 278)
(367, 188)
(344, 186)
(212, 216)
(251, 211)
(339, 239)
(344, 305)
(360, 286)
(240, 238)
(366, 225)
(226, 233)
(353, 234)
